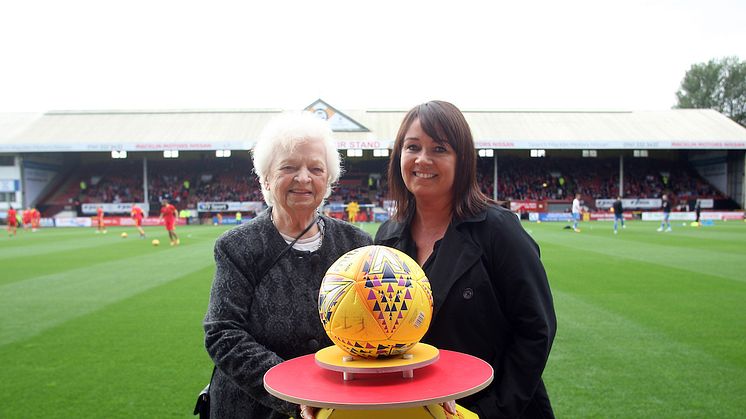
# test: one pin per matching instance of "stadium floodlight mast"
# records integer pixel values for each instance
(117, 154)
(171, 154)
(222, 153)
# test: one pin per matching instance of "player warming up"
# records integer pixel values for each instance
(576, 213)
(618, 209)
(137, 215)
(12, 222)
(169, 215)
(35, 219)
(665, 223)
(100, 228)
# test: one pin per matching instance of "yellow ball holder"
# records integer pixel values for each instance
(336, 359)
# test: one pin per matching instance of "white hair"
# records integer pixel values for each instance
(285, 132)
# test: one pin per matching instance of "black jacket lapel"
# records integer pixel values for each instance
(456, 254)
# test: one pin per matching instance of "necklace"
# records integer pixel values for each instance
(317, 220)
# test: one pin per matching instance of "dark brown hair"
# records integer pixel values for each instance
(445, 123)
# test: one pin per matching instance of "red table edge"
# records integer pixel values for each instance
(382, 406)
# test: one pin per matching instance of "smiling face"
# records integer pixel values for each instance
(428, 167)
(298, 178)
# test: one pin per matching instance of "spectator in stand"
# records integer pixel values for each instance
(169, 214)
(263, 303)
(666, 204)
(12, 222)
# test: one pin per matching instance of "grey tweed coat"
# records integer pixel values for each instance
(253, 324)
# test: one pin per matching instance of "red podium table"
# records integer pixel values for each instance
(455, 375)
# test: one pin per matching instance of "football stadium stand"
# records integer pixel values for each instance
(60, 161)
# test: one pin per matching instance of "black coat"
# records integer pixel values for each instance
(491, 300)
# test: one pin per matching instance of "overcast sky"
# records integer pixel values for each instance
(225, 54)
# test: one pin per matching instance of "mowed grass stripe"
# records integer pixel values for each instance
(604, 364)
(85, 248)
(143, 356)
(46, 233)
(726, 237)
(35, 304)
(703, 259)
(696, 310)
(93, 253)
(51, 241)
(729, 233)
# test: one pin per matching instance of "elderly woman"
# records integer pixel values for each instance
(263, 302)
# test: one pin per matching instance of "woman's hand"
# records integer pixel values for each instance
(308, 412)
(449, 406)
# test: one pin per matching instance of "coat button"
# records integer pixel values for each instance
(313, 345)
(468, 293)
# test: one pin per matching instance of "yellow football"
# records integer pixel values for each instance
(375, 301)
(156, 242)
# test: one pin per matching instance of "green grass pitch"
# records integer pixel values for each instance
(650, 324)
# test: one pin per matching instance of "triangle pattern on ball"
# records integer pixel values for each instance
(389, 281)
(333, 289)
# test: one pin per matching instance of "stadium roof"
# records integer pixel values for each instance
(81, 131)
(13, 124)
